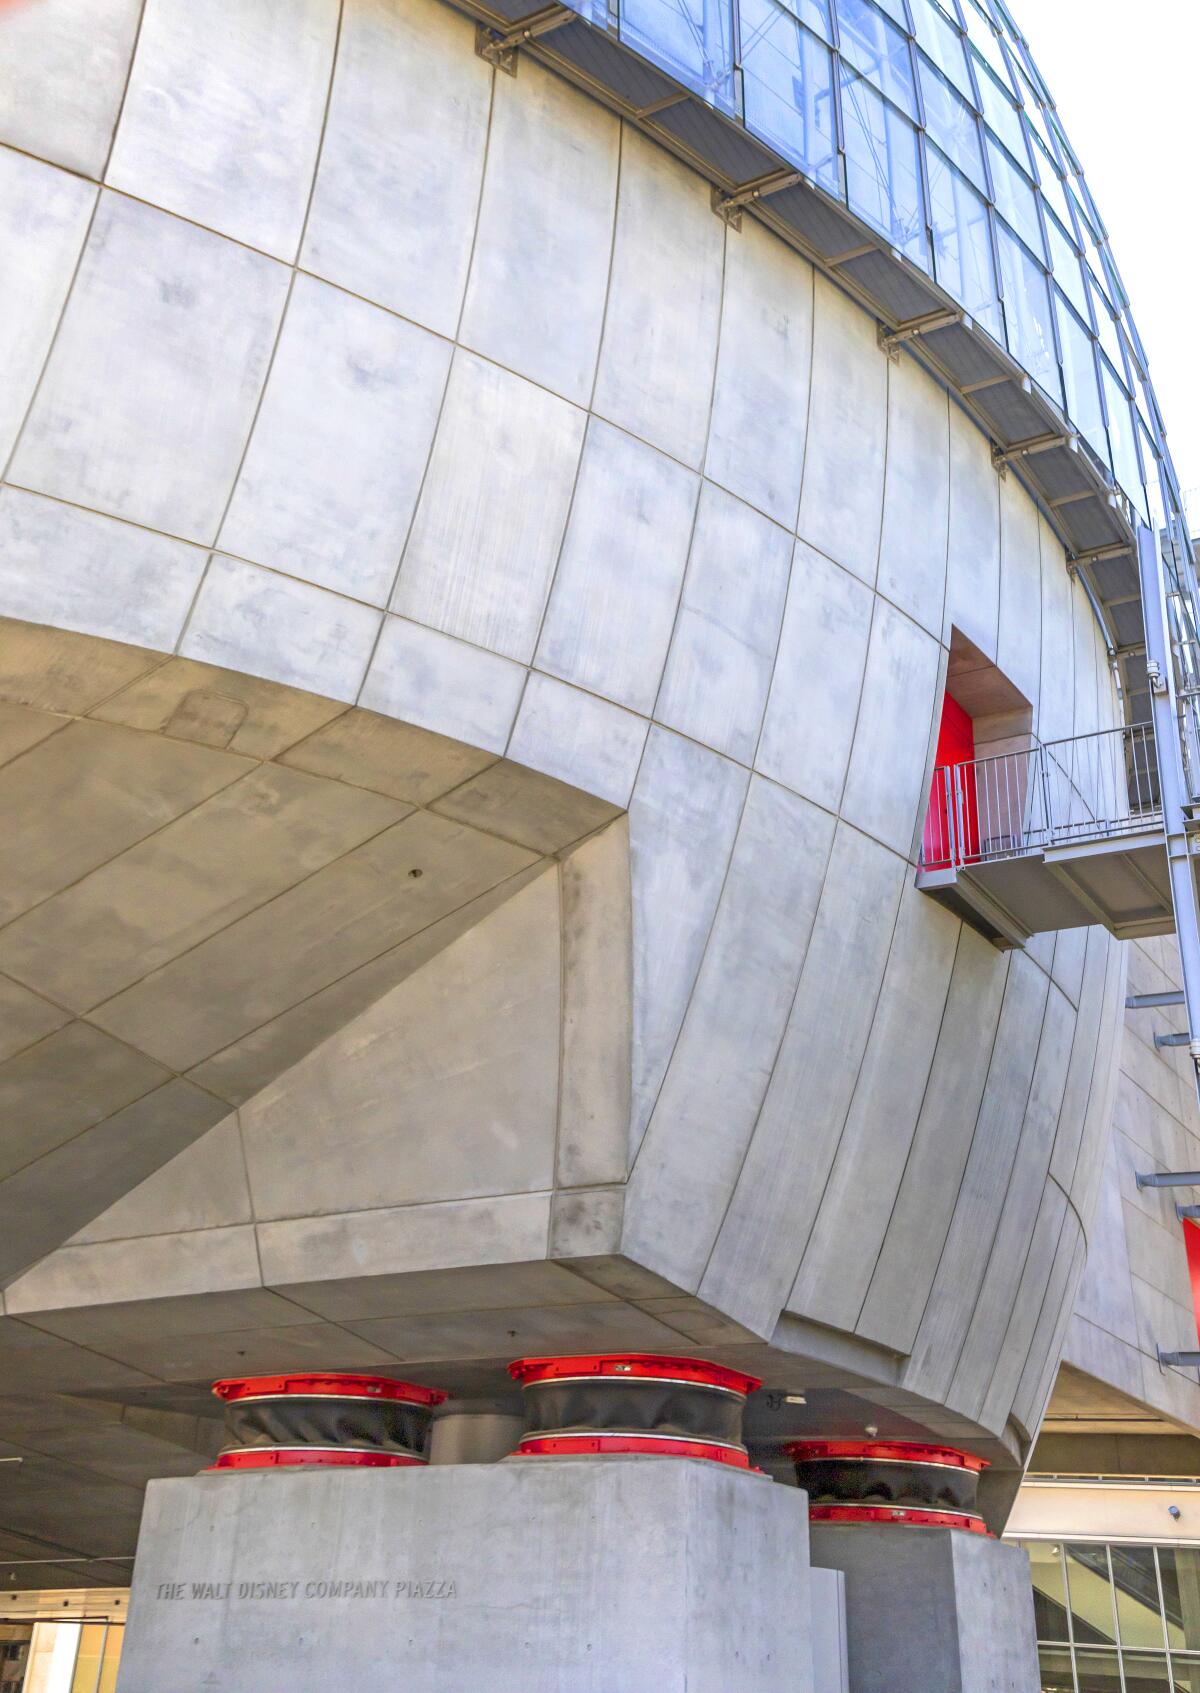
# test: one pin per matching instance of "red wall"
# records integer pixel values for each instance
(955, 745)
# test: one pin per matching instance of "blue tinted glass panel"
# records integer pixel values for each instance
(962, 248)
(814, 13)
(1079, 377)
(883, 180)
(1106, 326)
(1001, 113)
(787, 86)
(1120, 435)
(952, 124)
(877, 49)
(944, 44)
(1068, 272)
(1027, 313)
(985, 40)
(692, 39)
(1052, 187)
(894, 9)
(1015, 199)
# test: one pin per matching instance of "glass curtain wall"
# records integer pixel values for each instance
(1116, 1618)
(930, 121)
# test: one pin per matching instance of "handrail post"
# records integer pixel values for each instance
(959, 855)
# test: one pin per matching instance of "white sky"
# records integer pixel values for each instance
(1125, 75)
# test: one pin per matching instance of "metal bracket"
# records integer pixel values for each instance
(501, 50)
(730, 206)
(1172, 1040)
(1181, 1360)
(891, 340)
(1034, 444)
(1168, 1178)
(1150, 1001)
(1187, 1213)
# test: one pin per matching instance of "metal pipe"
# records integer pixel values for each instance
(1168, 1178)
(1172, 1040)
(1184, 1360)
(1146, 1001)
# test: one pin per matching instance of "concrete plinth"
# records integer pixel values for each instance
(532, 1576)
(931, 1609)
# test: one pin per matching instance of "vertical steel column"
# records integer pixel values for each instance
(1171, 781)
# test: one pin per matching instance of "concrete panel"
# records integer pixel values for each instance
(914, 538)
(616, 591)
(68, 1081)
(218, 708)
(578, 739)
(22, 728)
(164, 895)
(539, 276)
(248, 618)
(25, 1018)
(388, 757)
(443, 684)
(722, 1061)
(447, 1088)
(711, 1593)
(44, 215)
(76, 570)
(245, 1066)
(778, 1193)
(723, 649)
(439, 1257)
(888, 764)
(1035, 1275)
(841, 501)
(760, 400)
(979, 1201)
(91, 792)
(340, 444)
(55, 670)
(149, 393)
(664, 304)
(908, 1256)
(947, 1612)
(856, 1207)
(264, 74)
(973, 554)
(1018, 648)
(529, 1331)
(1083, 1059)
(597, 941)
(47, 1200)
(682, 822)
(346, 914)
(809, 726)
(522, 805)
(1042, 1364)
(63, 65)
(490, 519)
(1056, 691)
(976, 1370)
(406, 133)
(202, 1187)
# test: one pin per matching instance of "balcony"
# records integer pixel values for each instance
(1052, 835)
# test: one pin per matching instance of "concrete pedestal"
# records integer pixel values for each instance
(932, 1609)
(606, 1575)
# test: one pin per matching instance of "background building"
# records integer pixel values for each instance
(489, 565)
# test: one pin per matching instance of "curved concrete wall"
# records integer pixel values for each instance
(374, 372)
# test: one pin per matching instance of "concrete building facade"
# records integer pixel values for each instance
(475, 630)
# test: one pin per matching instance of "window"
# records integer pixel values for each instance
(787, 81)
(883, 177)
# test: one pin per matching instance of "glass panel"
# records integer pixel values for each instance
(1027, 313)
(962, 247)
(1180, 1569)
(692, 39)
(1052, 187)
(787, 86)
(88, 1659)
(894, 9)
(1139, 1619)
(1015, 199)
(943, 43)
(1079, 375)
(1146, 1672)
(1120, 434)
(877, 49)
(1091, 1594)
(952, 124)
(814, 13)
(1106, 326)
(1098, 1672)
(1185, 1674)
(1049, 1590)
(1055, 1665)
(1068, 273)
(1001, 113)
(882, 173)
(985, 40)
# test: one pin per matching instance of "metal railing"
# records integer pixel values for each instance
(1089, 787)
